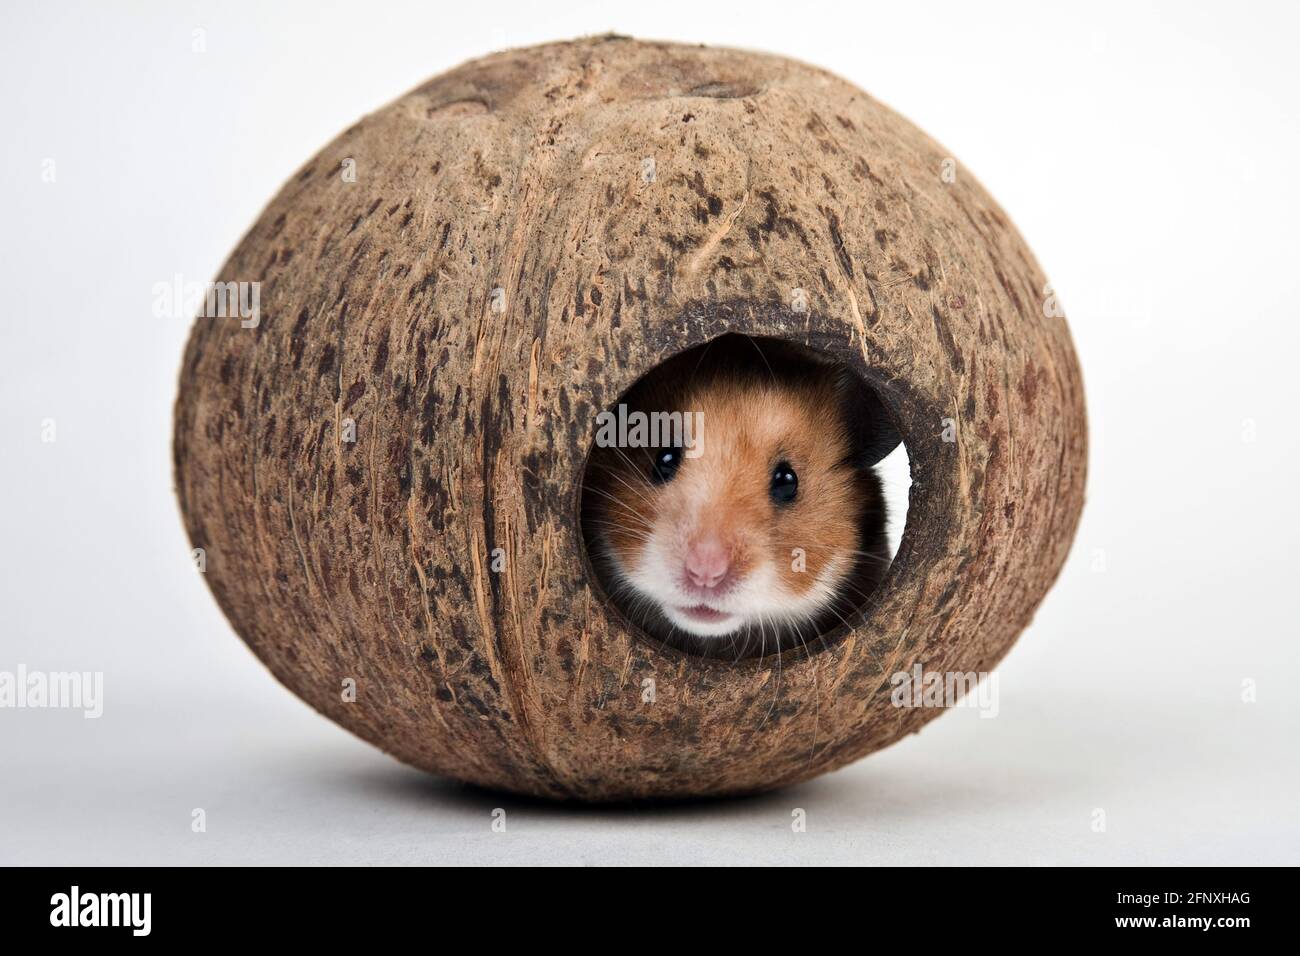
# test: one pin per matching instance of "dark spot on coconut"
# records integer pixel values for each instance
(326, 364)
(837, 243)
(381, 357)
(399, 460)
(1029, 387)
(355, 391)
(426, 284)
(696, 184)
(429, 416)
(1008, 288)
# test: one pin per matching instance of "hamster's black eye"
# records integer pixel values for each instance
(785, 484)
(666, 463)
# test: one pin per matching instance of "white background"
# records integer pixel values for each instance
(1148, 153)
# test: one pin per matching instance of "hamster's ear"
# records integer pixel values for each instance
(873, 432)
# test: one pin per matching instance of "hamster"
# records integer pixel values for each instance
(761, 528)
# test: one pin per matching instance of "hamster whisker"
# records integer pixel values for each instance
(640, 492)
(856, 552)
(649, 460)
(770, 371)
(617, 501)
(637, 519)
(640, 534)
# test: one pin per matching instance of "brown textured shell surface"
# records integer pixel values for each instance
(384, 471)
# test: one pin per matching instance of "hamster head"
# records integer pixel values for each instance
(763, 524)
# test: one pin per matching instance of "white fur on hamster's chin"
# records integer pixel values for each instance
(760, 600)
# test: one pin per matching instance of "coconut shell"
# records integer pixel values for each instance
(384, 472)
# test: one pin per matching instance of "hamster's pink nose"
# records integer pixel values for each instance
(707, 563)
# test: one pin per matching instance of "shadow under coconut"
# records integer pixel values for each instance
(852, 797)
(1038, 766)
(408, 786)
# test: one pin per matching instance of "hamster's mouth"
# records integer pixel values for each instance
(704, 614)
(703, 620)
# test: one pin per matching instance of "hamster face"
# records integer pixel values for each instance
(760, 534)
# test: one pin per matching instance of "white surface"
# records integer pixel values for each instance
(280, 785)
(1148, 154)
